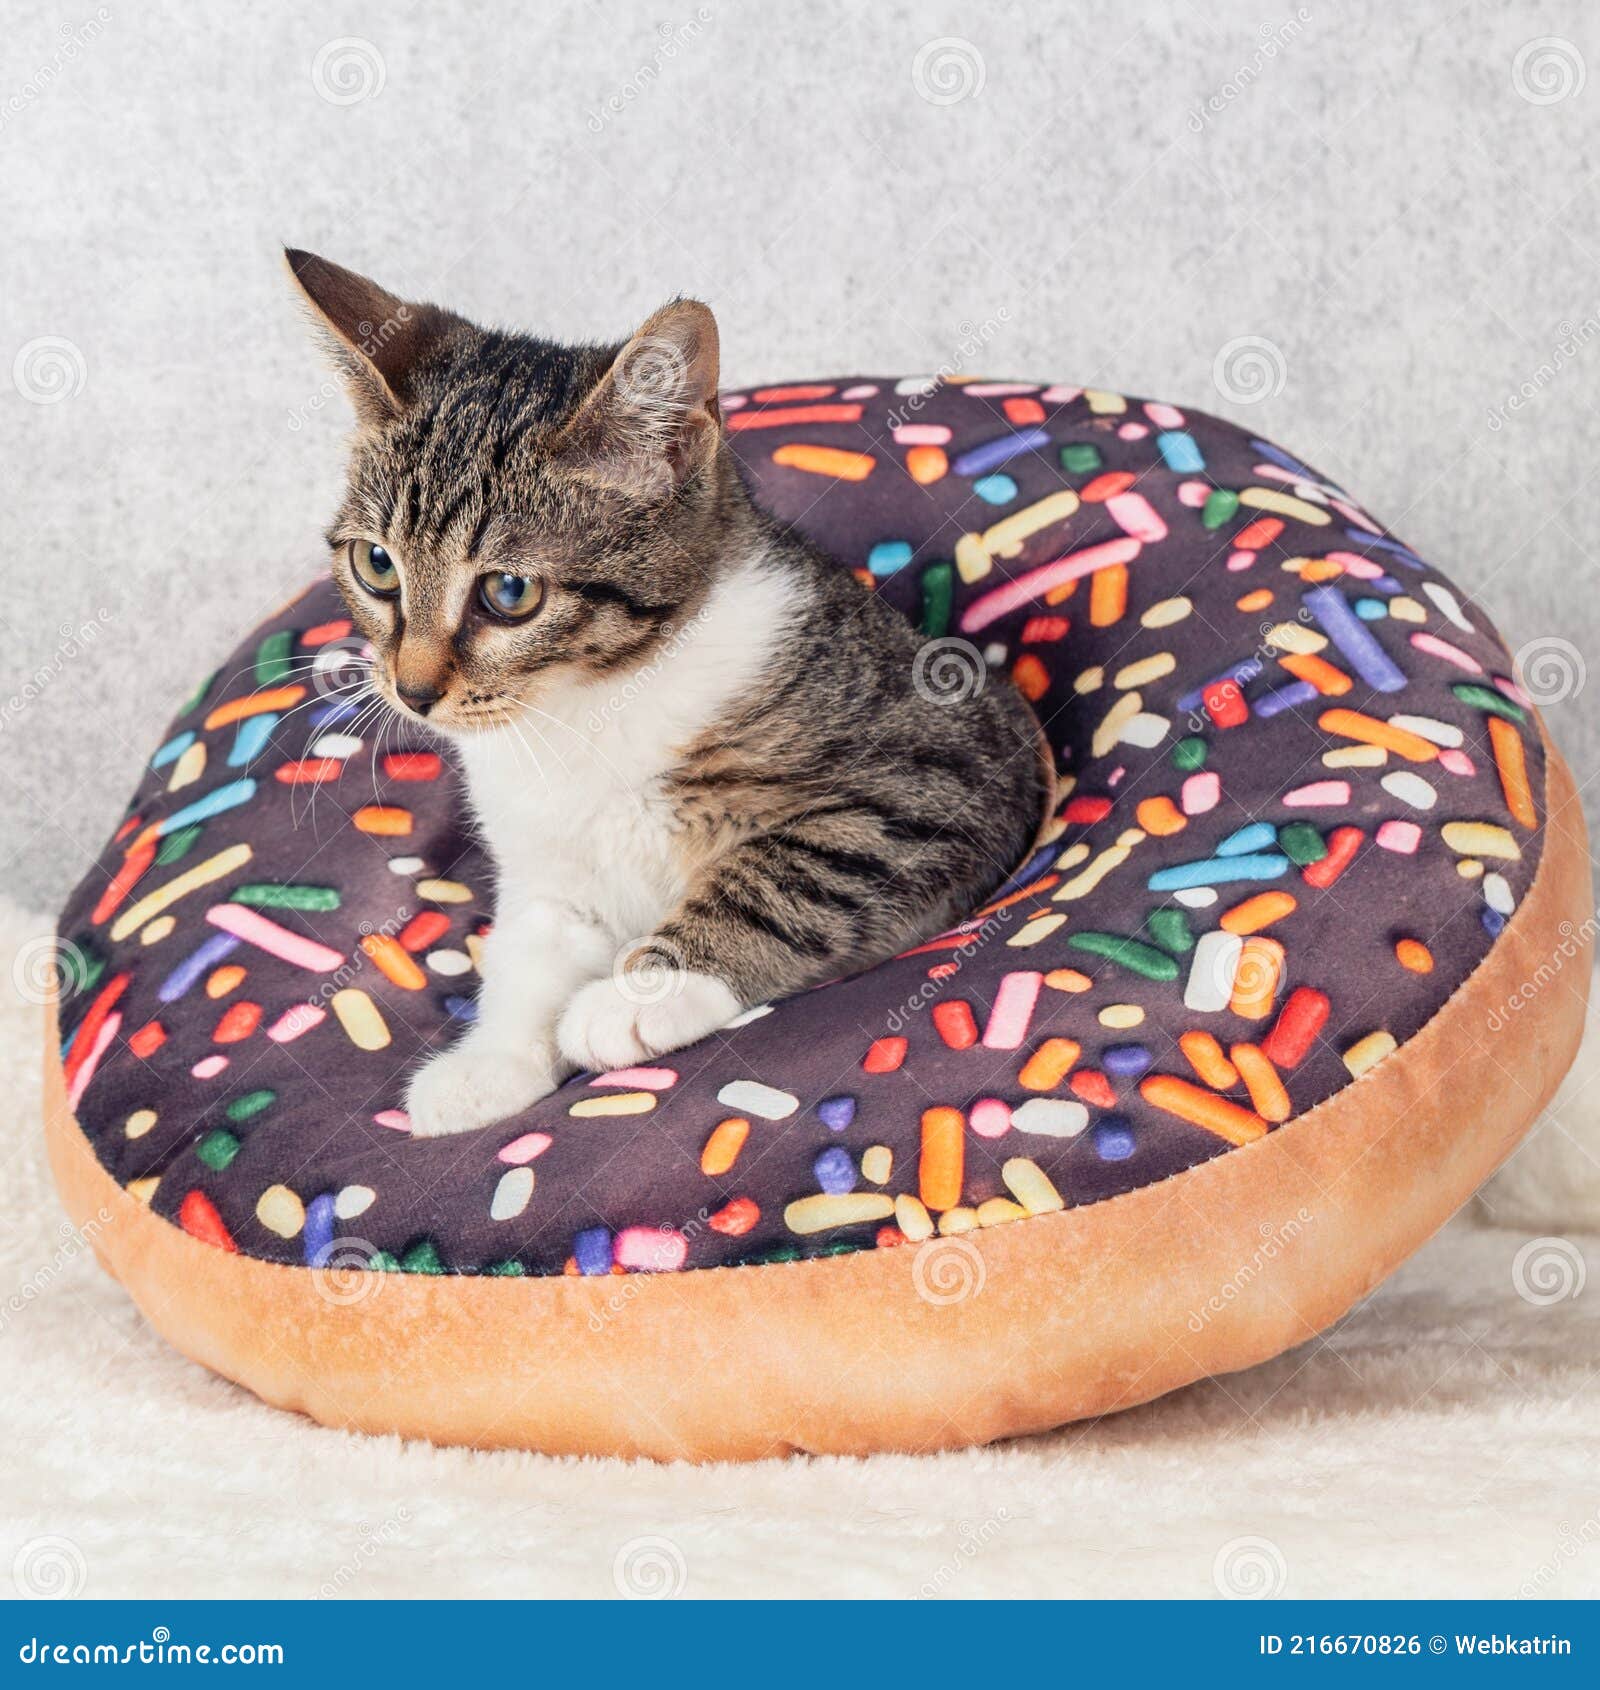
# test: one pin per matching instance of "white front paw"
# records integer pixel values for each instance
(471, 1086)
(607, 1025)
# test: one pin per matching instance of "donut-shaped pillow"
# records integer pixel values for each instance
(1298, 958)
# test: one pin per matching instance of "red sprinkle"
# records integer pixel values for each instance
(325, 633)
(1225, 705)
(412, 765)
(198, 1217)
(148, 1040)
(83, 1040)
(1262, 532)
(954, 1023)
(1299, 1021)
(425, 928)
(306, 769)
(1343, 843)
(738, 421)
(885, 1056)
(887, 1237)
(736, 1218)
(1045, 630)
(1023, 411)
(1093, 1087)
(239, 1021)
(1107, 486)
(1086, 808)
(121, 884)
(786, 395)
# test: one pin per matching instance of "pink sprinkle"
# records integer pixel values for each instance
(1132, 431)
(397, 1119)
(1162, 414)
(208, 1067)
(255, 929)
(1193, 494)
(524, 1149)
(866, 391)
(1013, 1010)
(1454, 761)
(998, 389)
(1134, 514)
(1363, 568)
(638, 1079)
(1435, 647)
(732, 401)
(1355, 514)
(1512, 691)
(1060, 394)
(102, 1042)
(1320, 792)
(1034, 583)
(990, 1118)
(298, 1018)
(922, 434)
(650, 1249)
(1403, 837)
(1200, 793)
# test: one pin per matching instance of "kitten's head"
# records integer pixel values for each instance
(517, 513)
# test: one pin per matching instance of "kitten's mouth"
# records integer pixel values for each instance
(447, 716)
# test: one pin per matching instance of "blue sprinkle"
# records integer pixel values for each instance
(318, 1235)
(888, 556)
(460, 1009)
(1493, 921)
(1371, 610)
(172, 750)
(254, 732)
(1029, 872)
(1113, 1139)
(835, 1169)
(1289, 697)
(836, 1113)
(591, 1250)
(1125, 1060)
(1341, 624)
(194, 965)
(1401, 554)
(228, 797)
(992, 453)
(995, 489)
(1179, 452)
(1253, 836)
(1217, 871)
(335, 710)
(1277, 455)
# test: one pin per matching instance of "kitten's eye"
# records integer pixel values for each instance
(374, 569)
(513, 598)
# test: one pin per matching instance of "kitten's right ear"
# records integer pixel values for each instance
(376, 339)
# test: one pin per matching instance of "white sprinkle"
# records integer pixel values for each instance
(750, 1097)
(405, 865)
(354, 1200)
(449, 962)
(1216, 961)
(335, 745)
(511, 1194)
(1428, 728)
(1410, 789)
(1497, 893)
(1448, 603)
(1197, 897)
(1145, 731)
(1050, 1117)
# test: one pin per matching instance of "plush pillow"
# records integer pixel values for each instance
(1297, 960)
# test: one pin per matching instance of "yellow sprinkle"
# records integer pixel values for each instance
(142, 1190)
(361, 1019)
(1112, 857)
(1030, 1185)
(996, 1211)
(954, 1221)
(614, 1103)
(189, 767)
(1368, 1052)
(1469, 868)
(1295, 637)
(1406, 609)
(850, 1208)
(202, 874)
(1168, 611)
(158, 930)
(444, 891)
(1131, 836)
(1355, 757)
(139, 1123)
(1041, 927)
(1146, 670)
(1284, 504)
(1104, 404)
(280, 1211)
(975, 553)
(474, 946)
(912, 1217)
(877, 1163)
(1091, 680)
(1115, 720)
(1480, 839)
(1121, 1016)
(1073, 855)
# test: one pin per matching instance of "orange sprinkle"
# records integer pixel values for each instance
(939, 1174)
(1262, 532)
(1034, 889)
(1315, 570)
(926, 463)
(1258, 600)
(1324, 676)
(1049, 1065)
(1261, 1081)
(1413, 954)
(825, 460)
(1060, 595)
(235, 710)
(1351, 724)
(1067, 980)
(723, 1147)
(1161, 816)
(1106, 486)
(223, 980)
(394, 962)
(1257, 912)
(382, 818)
(1108, 595)
(1255, 981)
(1206, 1058)
(140, 856)
(1512, 763)
(1031, 676)
(239, 1021)
(1202, 1108)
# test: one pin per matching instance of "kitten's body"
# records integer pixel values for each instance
(705, 765)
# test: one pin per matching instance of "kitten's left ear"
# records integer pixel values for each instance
(652, 420)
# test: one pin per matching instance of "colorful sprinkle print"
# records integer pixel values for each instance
(1300, 797)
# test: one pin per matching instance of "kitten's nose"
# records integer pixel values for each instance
(420, 698)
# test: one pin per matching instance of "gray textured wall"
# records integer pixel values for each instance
(1393, 207)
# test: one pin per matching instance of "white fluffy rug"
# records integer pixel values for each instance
(1441, 1441)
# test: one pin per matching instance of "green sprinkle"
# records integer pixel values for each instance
(1220, 506)
(422, 1257)
(272, 658)
(268, 896)
(778, 1253)
(383, 1262)
(1170, 930)
(199, 692)
(1486, 698)
(509, 1269)
(177, 845)
(1080, 459)
(938, 590)
(1131, 953)
(840, 1247)
(1189, 754)
(78, 966)
(1301, 844)
(250, 1105)
(217, 1149)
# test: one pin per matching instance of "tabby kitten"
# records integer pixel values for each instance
(693, 744)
